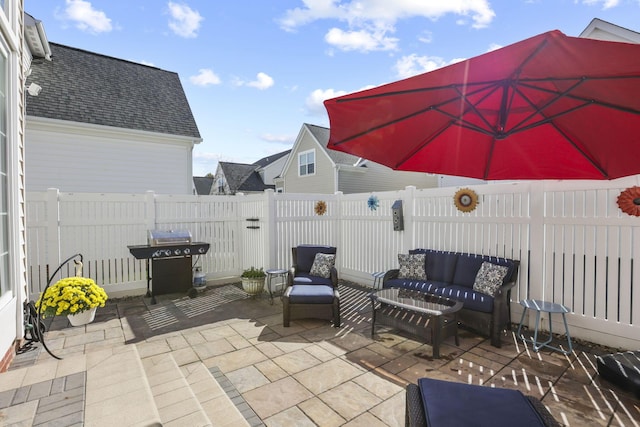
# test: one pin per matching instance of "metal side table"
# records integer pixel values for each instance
(547, 307)
(272, 274)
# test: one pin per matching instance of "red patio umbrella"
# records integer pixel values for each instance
(548, 107)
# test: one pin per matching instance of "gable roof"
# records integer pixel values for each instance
(321, 134)
(87, 87)
(242, 177)
(265, 161)
(203, 184)
(603, 30)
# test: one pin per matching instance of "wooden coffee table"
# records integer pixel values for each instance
(418, 313)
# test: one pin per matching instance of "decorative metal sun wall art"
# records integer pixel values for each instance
(320, 208)
(465, 200)
(629, 201)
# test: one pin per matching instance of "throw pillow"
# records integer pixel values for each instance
(322, 265)
(489, 278)
(412, 266)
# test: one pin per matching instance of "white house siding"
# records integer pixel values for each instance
(11, 40)
(323, 181)
(376, 177)
(86, 158)
(273, 170)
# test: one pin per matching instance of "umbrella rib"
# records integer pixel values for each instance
(579, 150)
(435, 107)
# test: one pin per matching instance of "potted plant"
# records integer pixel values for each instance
(253, 280)
(76, 297)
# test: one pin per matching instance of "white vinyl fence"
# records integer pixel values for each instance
(575, 245)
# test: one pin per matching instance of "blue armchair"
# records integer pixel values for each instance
(312, 286)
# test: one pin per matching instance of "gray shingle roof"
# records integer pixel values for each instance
(87, 87)
(242, 177)
(203, 184)
(270, 159)
(338, 157)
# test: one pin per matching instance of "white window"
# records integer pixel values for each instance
(307, 163)
(220, 185)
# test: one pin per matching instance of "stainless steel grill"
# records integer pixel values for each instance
(170, 252)
(168, 237)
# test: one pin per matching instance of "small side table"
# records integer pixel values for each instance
(547, 307)
(377, 279)
(271, 274)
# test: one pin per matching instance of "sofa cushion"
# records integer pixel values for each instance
(322, 265)
(458, 404)
(472, 300)
(428, 286)
(311, 294)
(441, 266)
(306, 254)
(489, 278)
(308, 279)
(468, 266)
(412, 266)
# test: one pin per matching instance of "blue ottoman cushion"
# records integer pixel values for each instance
(457, 404)
(311, 294)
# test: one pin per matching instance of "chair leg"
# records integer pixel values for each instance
(336, 313)
(286, 315)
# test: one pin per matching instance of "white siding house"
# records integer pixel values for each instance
(312, 168)
(14, 61)
(102, 124)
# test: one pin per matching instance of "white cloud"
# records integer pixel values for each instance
(606, 4)
(367, 23)
(361, 40)
(315, 101)
(205, 77)
(263, 81)
(279, 139)
(87, 18)
(184, 21)
(411, 65)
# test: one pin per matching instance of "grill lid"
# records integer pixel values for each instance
(169, 237)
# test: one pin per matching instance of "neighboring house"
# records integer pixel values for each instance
(603, 30)
(312, 168)
(106, 125)
(232, 178)
(202, 185)
(15, 60)
(270, 167)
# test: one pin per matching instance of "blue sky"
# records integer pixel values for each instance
(255, 70)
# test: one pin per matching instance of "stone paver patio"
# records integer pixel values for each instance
(225, 359)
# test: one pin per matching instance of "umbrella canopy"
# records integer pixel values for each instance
(548, 107)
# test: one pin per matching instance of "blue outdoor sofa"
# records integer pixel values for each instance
(452, 275)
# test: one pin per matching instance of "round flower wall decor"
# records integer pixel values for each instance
(320, 208)
(629, 201)
(465, 200)
(373, 203)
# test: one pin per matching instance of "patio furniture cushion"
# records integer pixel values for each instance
(306, 254)
(468, 266)
(412, 266)
(311, 294)
(457, 404)
(489, 278)
(308, 279)
(322, 265)
(428, 286)
(440, 266)
(622, 369)
(471, 300)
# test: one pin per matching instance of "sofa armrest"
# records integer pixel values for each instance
(334, 277)
(391, 274)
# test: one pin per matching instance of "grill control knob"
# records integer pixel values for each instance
(167, 252)
(201, 250)
(187, 251)
(177, 252)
